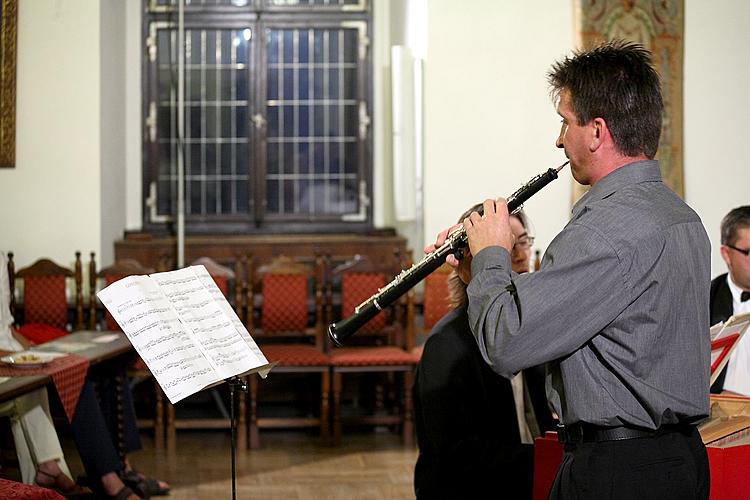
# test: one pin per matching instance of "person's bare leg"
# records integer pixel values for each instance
(49, 475)
(162, 484)
(112, 485)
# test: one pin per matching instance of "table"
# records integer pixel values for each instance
(96, 353)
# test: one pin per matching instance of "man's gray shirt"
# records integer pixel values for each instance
(619, 307)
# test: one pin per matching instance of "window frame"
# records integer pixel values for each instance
(258, 221)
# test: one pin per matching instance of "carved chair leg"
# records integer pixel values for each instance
(380, 391)
(120, 381)
(242, 419)
(325, 385)
(254, 435)
(158, 417)
(171, 430)
(336, 408)
(408, 427)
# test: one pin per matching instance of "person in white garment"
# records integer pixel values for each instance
(40, 455)
(730, 295)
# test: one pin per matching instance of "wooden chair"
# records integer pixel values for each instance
(222, 275)
(138, 371)
(44, 295)
(107, 276)
(435, 302)
(382, 346)
(286, 292)
(225, 279)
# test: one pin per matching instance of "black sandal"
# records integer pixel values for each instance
(123, 494)
(143, 485)
(71, 492)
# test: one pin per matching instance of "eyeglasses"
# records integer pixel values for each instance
(743, 251)
(524, 243)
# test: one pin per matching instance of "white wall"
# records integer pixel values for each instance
(113, 124)
(50, 201)
(133, 120)
(717, 129)
(489, 124)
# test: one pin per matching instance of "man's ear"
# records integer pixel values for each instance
(599, 131)
(724, 254)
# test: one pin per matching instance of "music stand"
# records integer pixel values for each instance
(724, 338)
(235, 384)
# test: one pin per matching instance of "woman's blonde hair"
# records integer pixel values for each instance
(456, 286)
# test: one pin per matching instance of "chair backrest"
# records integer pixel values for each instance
(356, 281)
(105, 277)
(435, 297)
(221, 274)
(287, 294)
(44, 293)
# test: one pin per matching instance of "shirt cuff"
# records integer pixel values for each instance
(495, 257)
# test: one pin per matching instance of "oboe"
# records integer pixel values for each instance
(408, 278)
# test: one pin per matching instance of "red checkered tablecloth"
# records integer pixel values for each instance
(67, 372)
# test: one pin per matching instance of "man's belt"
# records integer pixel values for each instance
(583, 432)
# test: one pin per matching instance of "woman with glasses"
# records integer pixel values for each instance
(472, 424)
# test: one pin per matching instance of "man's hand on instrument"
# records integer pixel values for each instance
(451, 260)
(490, 229)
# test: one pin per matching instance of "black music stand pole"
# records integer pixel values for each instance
(235, 383)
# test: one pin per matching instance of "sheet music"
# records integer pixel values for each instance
(218, 296)
(736, 325)
(181, 330)
(716, 329)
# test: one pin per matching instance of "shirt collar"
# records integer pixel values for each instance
(629, 174)
(736, 291)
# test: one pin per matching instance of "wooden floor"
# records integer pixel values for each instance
(290, 465)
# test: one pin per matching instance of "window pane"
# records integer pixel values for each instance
(316, 114)
(311, 70)
(235, 3)
(216, 133)
(307, 3)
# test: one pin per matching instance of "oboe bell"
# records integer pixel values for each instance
(407, 279)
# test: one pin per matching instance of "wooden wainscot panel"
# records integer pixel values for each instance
(160, 252)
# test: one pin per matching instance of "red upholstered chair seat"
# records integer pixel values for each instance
(295, 355)
(44, 293)
(223, 283)
(44, 300)
(109, 321)
(39, 333)
(371, 356)
(285, 289)
(139, 364)
(355, 289)
(284, 303)
(436, 299)
(137, 371)
(381, 349)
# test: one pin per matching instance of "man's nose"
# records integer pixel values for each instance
(560, 143)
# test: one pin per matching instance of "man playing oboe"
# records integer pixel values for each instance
(619, 308)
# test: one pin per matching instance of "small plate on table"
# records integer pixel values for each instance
(29, 359)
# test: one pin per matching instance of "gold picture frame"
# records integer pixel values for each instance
(8, 83)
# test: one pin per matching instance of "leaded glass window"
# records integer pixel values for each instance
(312, 107)
(276, 113)
(216, 143)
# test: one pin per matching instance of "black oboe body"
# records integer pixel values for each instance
(407, 279)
